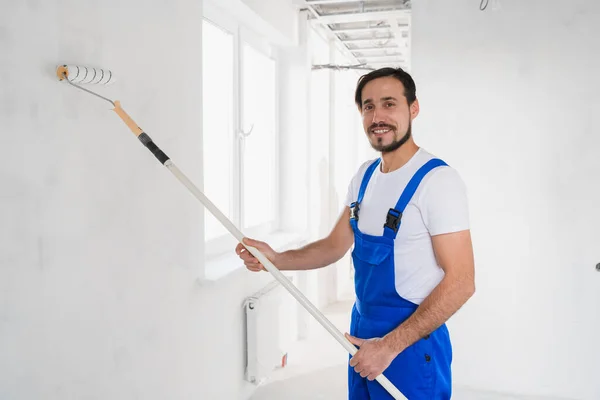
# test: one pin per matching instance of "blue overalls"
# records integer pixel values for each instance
(421, 371)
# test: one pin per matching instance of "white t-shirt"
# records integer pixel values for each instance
(438, 206)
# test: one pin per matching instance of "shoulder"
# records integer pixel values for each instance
(355, 182)
(443, 201)
(442, 178)
(445, 177)
(362, 169)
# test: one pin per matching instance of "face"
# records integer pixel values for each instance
(387, 117)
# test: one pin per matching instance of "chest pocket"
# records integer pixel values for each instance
(373, 250)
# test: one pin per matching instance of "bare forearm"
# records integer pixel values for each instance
(447, 298)
(312, 256)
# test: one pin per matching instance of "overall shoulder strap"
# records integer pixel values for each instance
(354, 207)
(394, 216)
(366, 178)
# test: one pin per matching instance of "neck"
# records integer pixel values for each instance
(396, 159)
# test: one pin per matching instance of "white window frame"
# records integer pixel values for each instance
(215, 248)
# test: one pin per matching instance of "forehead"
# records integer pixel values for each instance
(386, 86)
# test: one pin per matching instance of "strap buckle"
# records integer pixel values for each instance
(393, 219)
(354, 207)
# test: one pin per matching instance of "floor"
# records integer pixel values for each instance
(316, 368)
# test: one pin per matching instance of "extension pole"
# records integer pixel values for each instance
(264, 260)
(165, 160)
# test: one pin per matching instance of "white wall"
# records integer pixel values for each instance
(509, 97)
(100, 246)
(281, 15)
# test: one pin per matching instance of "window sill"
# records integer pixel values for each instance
(222, 266)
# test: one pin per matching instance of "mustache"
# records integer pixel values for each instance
(379, 126)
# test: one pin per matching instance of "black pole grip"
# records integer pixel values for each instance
(158, 153)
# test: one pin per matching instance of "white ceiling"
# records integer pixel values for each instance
(373, 33)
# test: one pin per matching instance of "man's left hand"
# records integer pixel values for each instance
(373, 356)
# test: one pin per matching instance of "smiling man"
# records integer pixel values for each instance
(406, 214)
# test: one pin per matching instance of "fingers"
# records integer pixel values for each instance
(355, 360)
(364, 361)
(254, 243)
(239, 249)
(250, 261)
(247, 242)
(248, 257)
(358, 367)
(354, 340)
(361, 369)
(256, 268)
(243, 252)
(253, 264)
(358, 364)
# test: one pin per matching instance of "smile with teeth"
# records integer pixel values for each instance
(380, 131)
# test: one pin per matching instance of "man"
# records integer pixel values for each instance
(406, 214)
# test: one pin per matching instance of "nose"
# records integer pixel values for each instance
(377, 116)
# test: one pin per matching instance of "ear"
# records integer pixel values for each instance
(414, 109)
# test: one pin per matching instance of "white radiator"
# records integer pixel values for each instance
(270, 328)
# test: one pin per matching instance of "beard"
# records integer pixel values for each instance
(396, 143)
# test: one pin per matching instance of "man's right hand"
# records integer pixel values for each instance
(250, 261)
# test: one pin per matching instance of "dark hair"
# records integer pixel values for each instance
(410, 90)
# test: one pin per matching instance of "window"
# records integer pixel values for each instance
(259, 151)
(239, 132)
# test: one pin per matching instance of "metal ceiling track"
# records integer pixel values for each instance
(370, 33)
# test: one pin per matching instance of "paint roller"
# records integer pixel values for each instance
(76, 74)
